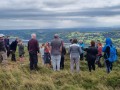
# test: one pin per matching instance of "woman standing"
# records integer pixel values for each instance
(106, 51)
(21, 51)
(91, 56)
(47, 56)
(99, 55)
(42, 53)
(75, 51)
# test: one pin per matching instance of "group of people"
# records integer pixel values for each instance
(53, 53)
(93, 54)
(7, 49)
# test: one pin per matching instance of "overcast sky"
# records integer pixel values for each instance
(29, 14)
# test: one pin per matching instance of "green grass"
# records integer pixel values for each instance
(17, 77)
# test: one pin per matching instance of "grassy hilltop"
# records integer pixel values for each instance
(17, 77)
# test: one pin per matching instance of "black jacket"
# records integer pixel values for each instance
(91, 53)
(13, 45)
(63, 50)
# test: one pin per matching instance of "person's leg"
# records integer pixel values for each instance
(93, 64)
(72, 64)
(1, 59)
(99, 63)
(43, 61)
(62, 62)
(89, 65)
(107, 66)
(53, 62)
(4, 57)
(111, 66)
(35, 58)
(58, 59)
(31, 61)
(77, 62)
(13, 56)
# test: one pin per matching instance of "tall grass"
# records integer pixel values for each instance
(17, 77)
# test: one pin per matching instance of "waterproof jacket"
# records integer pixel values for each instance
(13, 45)
(91, 53)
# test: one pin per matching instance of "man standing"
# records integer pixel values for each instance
(13, 47)
(56, 48)
(33, 48)
(7, 45)
(3, 56)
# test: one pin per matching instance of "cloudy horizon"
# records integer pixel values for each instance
(42, 14)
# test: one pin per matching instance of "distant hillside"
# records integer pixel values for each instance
(86, 34)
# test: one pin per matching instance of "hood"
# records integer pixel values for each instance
(108, 41)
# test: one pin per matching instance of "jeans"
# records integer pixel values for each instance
(33, 60)
(56, 62)
(76, 61)
(108, 66)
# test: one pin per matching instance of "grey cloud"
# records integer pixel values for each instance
(41, 14)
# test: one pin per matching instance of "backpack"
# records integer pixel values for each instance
(113, 54)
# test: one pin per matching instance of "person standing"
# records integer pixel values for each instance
(33, 48)
(7, 45)
(56, 49)
(47, 56)
(82, 52)
(13, 47)
(42, 47)
(62, 56)
(3, 55)
(21, 51)
(74, 51)
(99, 55)
(91, 55)
(107, 54)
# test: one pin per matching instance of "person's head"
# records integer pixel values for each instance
(56, 36)
(1, 36)
(75, 41)
(17, 39)
(81, 42)
(99, 44)
(43, 44)
(33, 36)
(93, 43)
(20, 41)
(108, 41)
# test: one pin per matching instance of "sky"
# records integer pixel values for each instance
(44, 14)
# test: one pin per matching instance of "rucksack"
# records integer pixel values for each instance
(113, 54)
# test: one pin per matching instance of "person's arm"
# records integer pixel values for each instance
(28, 46)
(38, 47)
(64, 50)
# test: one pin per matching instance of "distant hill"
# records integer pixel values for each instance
(86, 34)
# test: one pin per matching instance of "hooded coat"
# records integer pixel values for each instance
(106, 48)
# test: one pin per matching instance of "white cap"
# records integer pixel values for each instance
(2, 35)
